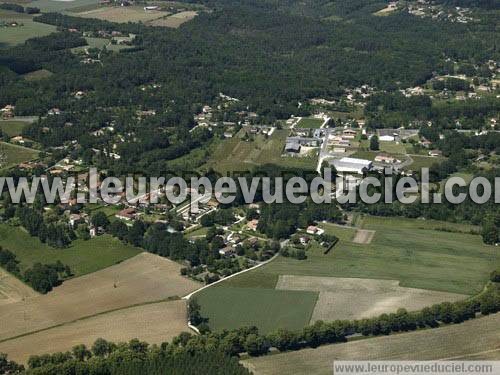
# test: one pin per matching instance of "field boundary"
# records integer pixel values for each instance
(170, 299)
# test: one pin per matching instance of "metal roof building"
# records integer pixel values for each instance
(351, 165)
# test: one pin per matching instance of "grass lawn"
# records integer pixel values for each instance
(99, 43)
(343, 233)
(12, 128)
(228, 308)
(310, 123)
(368, 155)
(420, 162)
(82, 256)
(235, 154)
(199, 232)
(26, 29)
(418, 253)
(392, 148)
(14, 154)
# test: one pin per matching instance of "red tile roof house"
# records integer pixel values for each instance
(127, 214)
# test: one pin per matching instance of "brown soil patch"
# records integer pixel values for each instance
(351, 298)
(143, 278)
(153, 323)
(12, 289)
(363, 236)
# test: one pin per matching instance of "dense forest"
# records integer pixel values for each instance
(250, 50)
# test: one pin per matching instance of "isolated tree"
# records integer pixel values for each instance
(99, 219)
(374, 144)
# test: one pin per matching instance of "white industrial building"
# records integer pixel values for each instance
(351, 165)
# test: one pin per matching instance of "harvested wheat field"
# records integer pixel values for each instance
(123, 14)
(153, 323)
(12, 289)
(143, 278)
(175, 20)
(352, 298)
(481, 336)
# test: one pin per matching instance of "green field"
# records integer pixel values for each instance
(236, 154)
(82, 256)
(232, 307)
(310, 123)
(14, 154)
(418, 253)
(99, 43)
(61, 5)
(343, 233)
(198, 232)
(393, 148)
(420, 162)
(12, 128)
(26, 28)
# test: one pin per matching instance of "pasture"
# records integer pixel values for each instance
(420, 162)
(26, 28)
(154, 323)
(12, 128)
(122, 14)
(461, 341)
(309, 123)
(142, 279)
(392, 148)
(237, 154)
(82, 256)
(14, 154)
(413, 258)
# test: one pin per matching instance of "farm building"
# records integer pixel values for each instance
(304, 141)
(127, 214)
(387, 138)
(292, 147)
(385, 159)
(435, 153)
(349, 133)
(252, 225)
(228, 251)
(352, 165)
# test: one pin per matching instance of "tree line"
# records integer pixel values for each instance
(218, 351)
